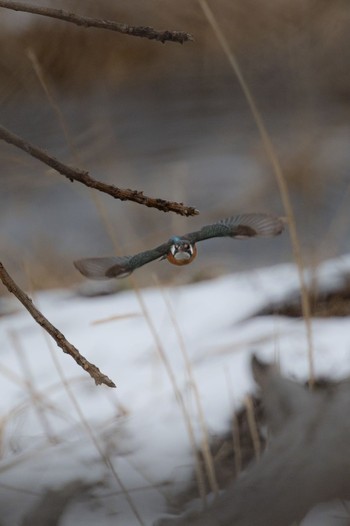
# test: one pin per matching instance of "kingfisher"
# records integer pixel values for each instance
(182, 250)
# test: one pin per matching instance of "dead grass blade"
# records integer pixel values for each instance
(116, 317)
(253, 428)
(29, 384)
(187, 420)
(207, 455)
(106, 459)
(266, 140)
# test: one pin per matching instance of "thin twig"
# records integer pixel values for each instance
(59, 338)
(74, 174)
(111, 25)
(282, 186)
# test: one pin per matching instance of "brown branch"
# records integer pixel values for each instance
(59, 338)
(136, 31)
(75, 174)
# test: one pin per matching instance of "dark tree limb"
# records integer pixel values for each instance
(75, 174)
(136, 31)
(59, 338)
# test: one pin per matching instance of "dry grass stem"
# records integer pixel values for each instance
(19, 459)
(29, 383)
(25, 491)
(82, 176)
(187, 420)
(10, 375)
(116, 317)
(52, 101)
(237, 450)
(59, 338)
(111, 25)
(151, 484)
(207, 455)
(159, 487)
(244, 344)
(198, 470)
(337, 229)
(253, 428)
(305, 300)
(91, 434)
(104, 456)
(95, 197)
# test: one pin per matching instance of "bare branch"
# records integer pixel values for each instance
(75, 174)
(59, 338)
(136, 31)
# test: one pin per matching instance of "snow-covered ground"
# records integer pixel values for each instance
(57, 426)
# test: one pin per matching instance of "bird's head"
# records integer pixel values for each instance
(181, 252)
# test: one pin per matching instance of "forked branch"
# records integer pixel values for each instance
(59, 338)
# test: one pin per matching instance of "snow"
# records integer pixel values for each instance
(56, 429)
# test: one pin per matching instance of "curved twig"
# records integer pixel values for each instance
(75, 174)
(84, 21)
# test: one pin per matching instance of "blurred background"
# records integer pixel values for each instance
(172, 121)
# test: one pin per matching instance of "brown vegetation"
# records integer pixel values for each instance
(283, 46)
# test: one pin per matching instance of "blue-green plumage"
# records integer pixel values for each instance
(181, 250)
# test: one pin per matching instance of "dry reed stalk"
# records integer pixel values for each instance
(133, 490)
(266, 140)
(198, 469)
(237, 450)
(178, 395)
(253, 428)
(207, 455)
(20, 490)
(116, 317)
(236, 347)
(151, 484)
(19, 459)
(105, 458)
(236, 440)
(81, 416)
(29, 385)
(111, 233)
(337, 229)
(52, 100)
(10, 375)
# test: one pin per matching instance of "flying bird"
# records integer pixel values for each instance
(181, 250)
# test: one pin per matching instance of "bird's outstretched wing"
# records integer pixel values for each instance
(101, 268)
(119, 267)
(240, 227)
